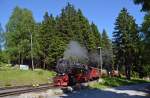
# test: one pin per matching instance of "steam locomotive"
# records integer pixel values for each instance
(71, 73)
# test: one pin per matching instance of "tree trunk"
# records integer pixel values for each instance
(44, 65)
(21, 60)
(128, 71)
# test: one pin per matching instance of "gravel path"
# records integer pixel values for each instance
(133, 91)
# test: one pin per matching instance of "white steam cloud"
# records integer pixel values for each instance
(75, 52)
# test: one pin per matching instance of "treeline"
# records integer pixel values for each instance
(128, 51)
(42, 44)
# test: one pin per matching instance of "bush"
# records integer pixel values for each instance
(135, 74)
(146, 69)
(5, 66)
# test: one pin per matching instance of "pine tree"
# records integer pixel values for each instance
(145, 4)
(97, 35)
(44, 39)
(146, 33)
(105, 40)
(145, 44)
(125, 38)
(107, 52)
(67, 23)
(73, 25)
(87, 35)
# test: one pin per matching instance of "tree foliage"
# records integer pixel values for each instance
(145, 4)
(125, 41)
(145, 38)
(50, 37)
(145, 44)
(107, 52)
(18, 30)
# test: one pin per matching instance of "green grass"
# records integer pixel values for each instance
(114, 82)
(16, 77)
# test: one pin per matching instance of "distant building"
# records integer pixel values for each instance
(24, 67)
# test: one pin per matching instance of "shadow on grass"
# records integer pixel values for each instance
(118, 92)
(144, 87)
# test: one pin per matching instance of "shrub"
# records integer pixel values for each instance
(135, 74)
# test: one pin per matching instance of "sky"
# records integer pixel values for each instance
(102, 12)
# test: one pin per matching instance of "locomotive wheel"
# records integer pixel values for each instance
(96, 78)
(91, 78)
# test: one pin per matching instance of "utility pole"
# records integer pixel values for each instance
(100, 56)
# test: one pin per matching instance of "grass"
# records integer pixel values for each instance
(114, 82)
(16, 77)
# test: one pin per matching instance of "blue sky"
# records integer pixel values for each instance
(102, 12)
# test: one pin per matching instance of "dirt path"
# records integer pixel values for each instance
(133, 91)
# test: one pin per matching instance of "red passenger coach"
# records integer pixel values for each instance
(94, 73)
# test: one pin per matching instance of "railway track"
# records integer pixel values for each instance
(26, 89)
(23, 89)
